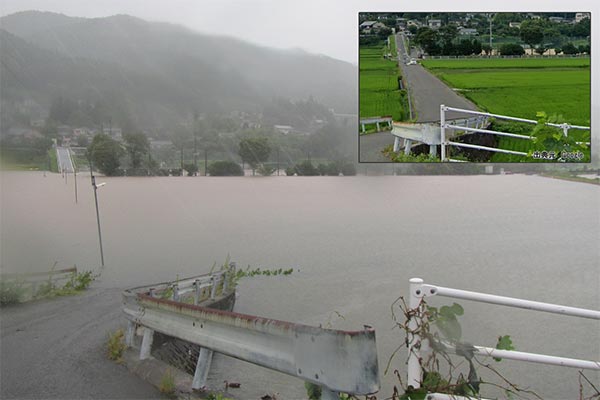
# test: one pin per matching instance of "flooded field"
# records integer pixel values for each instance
(354, 242)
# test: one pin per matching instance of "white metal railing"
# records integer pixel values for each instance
(444, 125)
(420, 290)
(338, 361)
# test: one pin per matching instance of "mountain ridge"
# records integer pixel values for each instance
(163, 70)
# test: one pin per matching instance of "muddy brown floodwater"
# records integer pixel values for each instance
(354, 243)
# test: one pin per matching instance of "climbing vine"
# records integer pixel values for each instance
(439, 331)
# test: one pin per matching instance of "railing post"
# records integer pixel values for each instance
(130, 333)
(175, 296)
(146, 343)
(198, 289)
(414, 340)
(202, 368)
(443, 132)
(151, 292)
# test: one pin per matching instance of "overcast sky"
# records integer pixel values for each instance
(319, 26)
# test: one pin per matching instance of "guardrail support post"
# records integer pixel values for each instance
(175, 296)
(407, 146)
(130, 333)
(198, 290)
(151, 292)
(213, 289)
(327, 394)
(146, 344)
(433, 149)
(202, 368)
(414, 341)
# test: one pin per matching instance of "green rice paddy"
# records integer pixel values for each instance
(560, 87)
(378, 83)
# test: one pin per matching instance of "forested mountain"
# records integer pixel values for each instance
(154, 74)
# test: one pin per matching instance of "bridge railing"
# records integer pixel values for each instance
(444, 125)
(337, 361)
(418, 345)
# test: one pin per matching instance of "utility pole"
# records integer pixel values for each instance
(205, 161)
(195, 140)
(97, 212)
(490, 34)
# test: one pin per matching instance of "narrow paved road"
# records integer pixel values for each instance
(64, 161)
(427, 91)
(56, 349)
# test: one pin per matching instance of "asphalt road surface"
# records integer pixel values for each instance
(64, 160)
(56, 349)
(428, 92)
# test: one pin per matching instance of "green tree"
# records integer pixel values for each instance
(105, 153)
(225, 168)
(137, 146)
(569, 48)
(532, 32)
(582, 28)
(427, 38)
(511, 49)
(254, 151)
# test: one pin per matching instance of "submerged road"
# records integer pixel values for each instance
(56, 349)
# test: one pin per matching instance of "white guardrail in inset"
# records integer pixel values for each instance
(444, 125)
(338, 361)
(420, 290)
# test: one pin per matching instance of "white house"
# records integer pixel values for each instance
(434, 23)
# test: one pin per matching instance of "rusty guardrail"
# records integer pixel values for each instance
(338, 361)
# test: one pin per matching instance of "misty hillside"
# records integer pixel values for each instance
(158, 72)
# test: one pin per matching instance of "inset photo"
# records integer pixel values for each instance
(491, 87)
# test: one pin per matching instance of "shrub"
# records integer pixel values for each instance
(11, 292)
(225, 168)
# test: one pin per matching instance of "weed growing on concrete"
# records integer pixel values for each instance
(116, 346)
(167, 383)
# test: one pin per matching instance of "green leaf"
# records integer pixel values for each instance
(504, 343)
